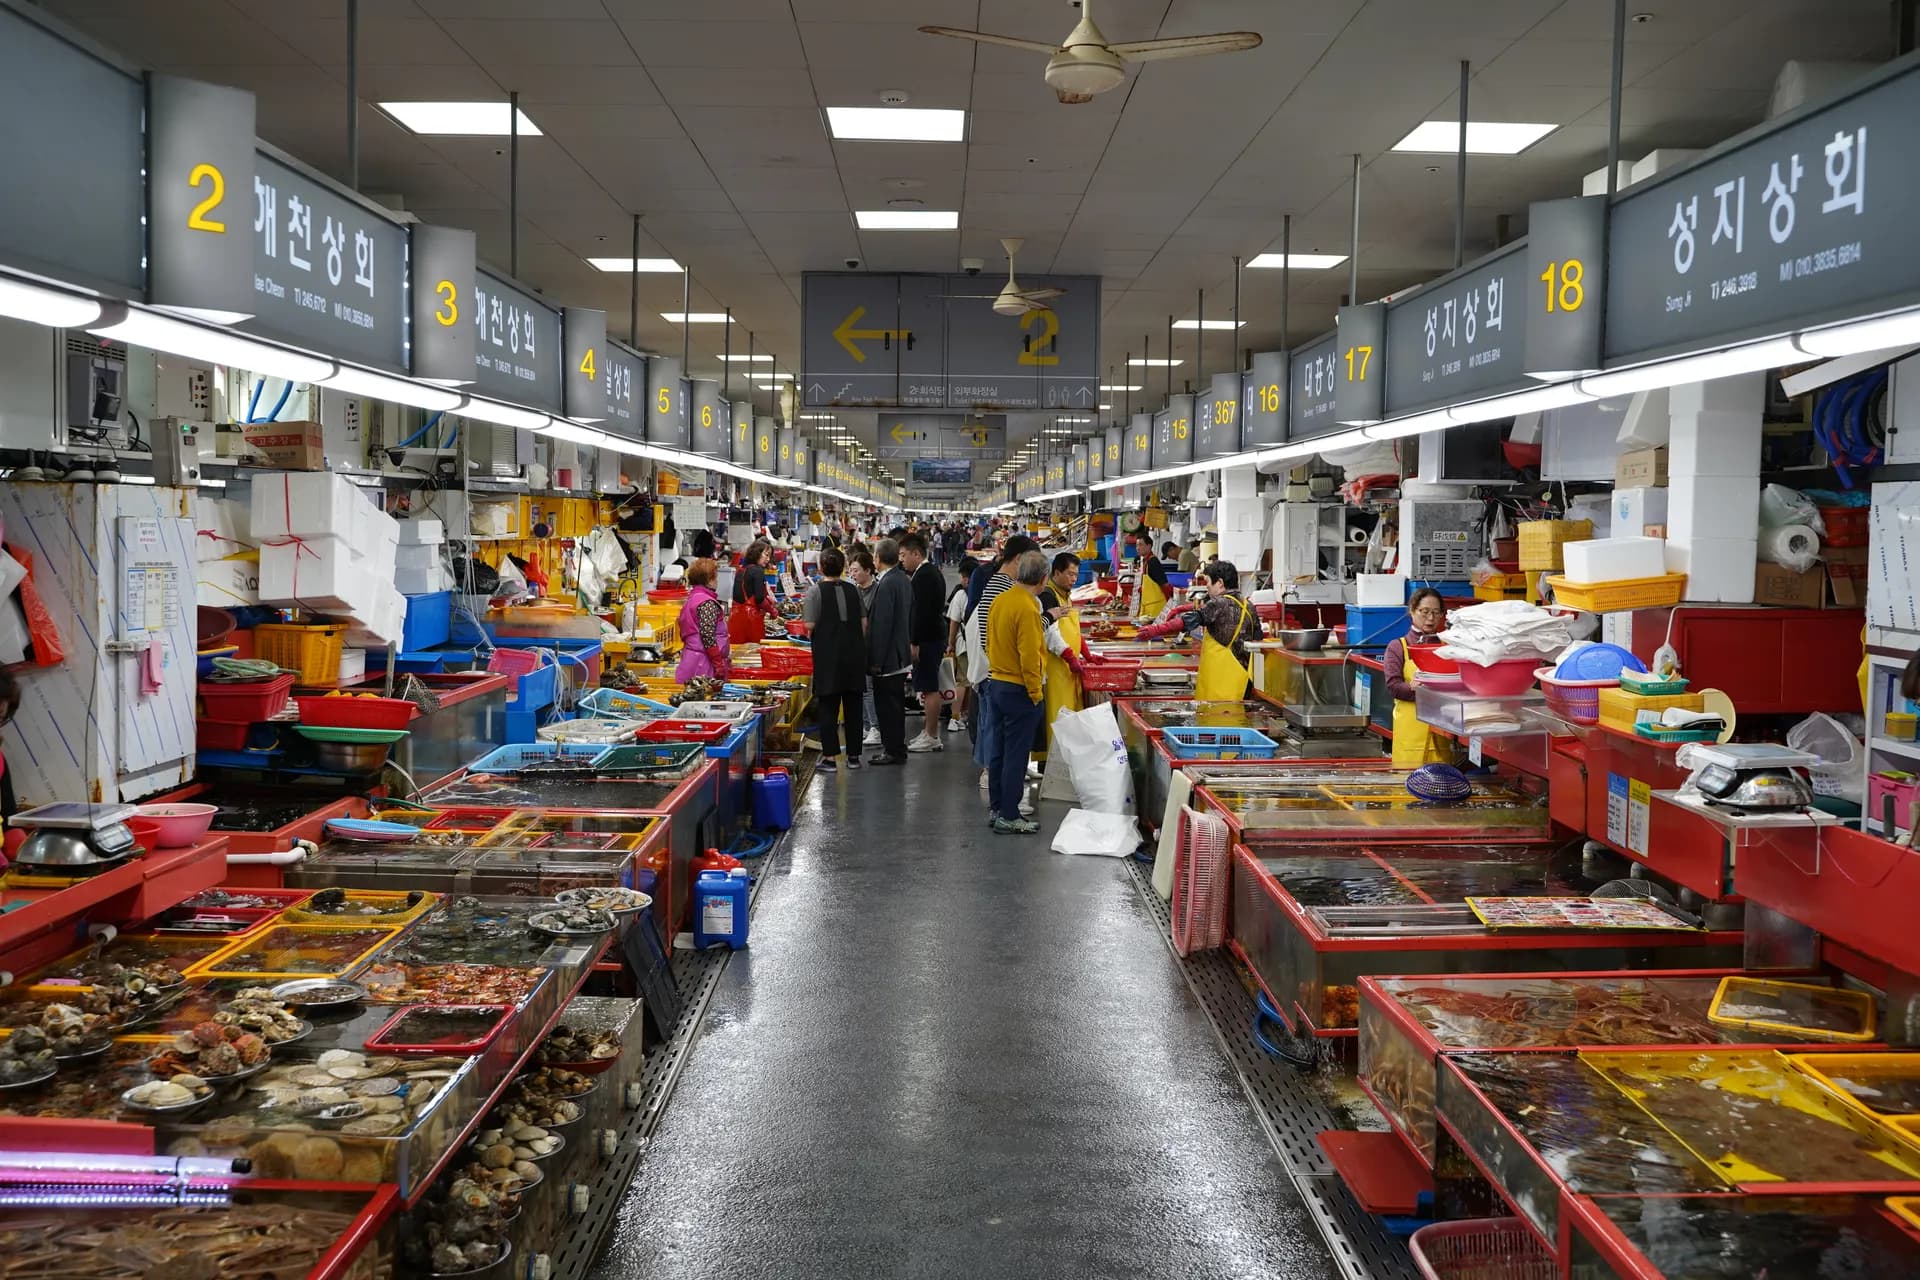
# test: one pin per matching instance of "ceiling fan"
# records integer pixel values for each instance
(1012, 300)
(1085, 64)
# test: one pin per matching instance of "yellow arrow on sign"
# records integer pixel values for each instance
(901, 433)
(845, 334)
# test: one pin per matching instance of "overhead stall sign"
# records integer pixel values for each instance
(1113, 464)
(329, 271)
(1458, 339)
(200, 166)
(624, 372)
(1263, 402)
(517, 347)
(440, 266)
(924, 435)
(1360, 381)
(708, 425)
(666, 403)
(1316, 369)
(1173, 433)
(1138, 453)
(742, 411)
(1805, 220)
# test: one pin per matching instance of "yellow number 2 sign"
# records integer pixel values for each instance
(200, 218)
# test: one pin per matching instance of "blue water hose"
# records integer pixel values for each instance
(424, 428)
(259, 385)
(285, 393)
(1263, 1013)
(752, 844)
(1841, 420)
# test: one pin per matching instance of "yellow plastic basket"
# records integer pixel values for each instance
(1542, 541)
(1855, 1006)
(1613, 597)
(277, 952)
(1907, 1208)
(1619, 708)
(393, 904)
(313, 651)
(1862, 1070)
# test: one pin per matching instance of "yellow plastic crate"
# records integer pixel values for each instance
(1614, 597)
(1907, 1207)
(1862, 1070)
(313, 651)
(1541, 541)
(1501, 586)
(1857, 1006)
(393, 904)
(278, 952)
(1619, 709)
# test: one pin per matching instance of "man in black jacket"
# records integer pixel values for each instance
(928, 631)
(890, 652)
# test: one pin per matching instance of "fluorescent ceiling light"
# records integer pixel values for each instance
(1484, 137)
(381, 386)
(505, 415)
(1877, 334)
(1105, 407)
(817, 417)
(464, 119)
(1302, 261)
(1537, 401)
(1121, 387)
(897, 124)
(906, 219)
(1697, 368)
(1208, 324)
(130, 479)
(20, 300)
(1145, 363)
(219, 346)
(696, 317)
(1399, 428)
(561, 429)
(660, 266)
(753, 359)
(1083, 420)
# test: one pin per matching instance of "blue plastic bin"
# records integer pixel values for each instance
(617, 704)
(1375, 628)
(429, 621)
(1218, 742)
(523, 755)
(738, 751)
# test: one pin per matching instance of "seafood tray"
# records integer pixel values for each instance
(255, 1233)
(1407, 1023)
(1711, 1237)
(297, 951)
(137, 950)
(1311, 922)
(1279, 801)
(1885, 1086)
(1545, 1126)
(340, 1115)
(425, 863)
(549, 868)
(359, 906)
(472, 930)
(1794, 1009)
(124, 1006)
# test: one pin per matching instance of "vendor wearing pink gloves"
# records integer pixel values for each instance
(1227, 624)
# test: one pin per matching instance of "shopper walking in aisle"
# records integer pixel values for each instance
(927, 630)
(861, 572)
(1064, 646)
(994, 577)
(957, 650)
(1015, 693)
(752, 601)
(1414, 744)
(1226, 624)
(837, 624)
(703, 627)
(890, 652)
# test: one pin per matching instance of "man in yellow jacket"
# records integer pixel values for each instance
(1014, 694)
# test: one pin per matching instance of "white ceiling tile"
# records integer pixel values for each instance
(463, 83)
(705, 87)
(607, 86)
(718, 45)
(384, 42)
(504, 47)
(572, 120)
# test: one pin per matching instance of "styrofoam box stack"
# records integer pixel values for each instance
(1379, 590)
(1635, 509)
(1713, 486)
(223, 527)
(420, 565)
(324, 545)
(383, 624)
(1614, 559)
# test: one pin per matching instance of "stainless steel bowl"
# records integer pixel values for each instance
(355, 757)
(1303, 639)
(47, 847)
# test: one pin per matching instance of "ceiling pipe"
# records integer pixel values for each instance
(513, 184)
(1286, 277)
(1613, 96)
(1460, 176)
(353, 94)
(633, 289)
(1353, 240)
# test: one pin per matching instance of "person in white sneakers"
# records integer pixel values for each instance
(957, 650)
(927, 631)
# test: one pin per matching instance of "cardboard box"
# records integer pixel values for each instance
(1715, 444)
(1640, 469)
(1636, 509)
(1713, 507)
(1846, 570)
(288, 446)
(1778, 585)
(1719, 570)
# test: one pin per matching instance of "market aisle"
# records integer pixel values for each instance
(949, 1053)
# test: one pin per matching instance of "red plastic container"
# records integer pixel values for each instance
(357, 713)
(1426, 659)
(513, 662)
(785, 660)
(1846, 526)
(1109, 676)
(704, 732)
(222, 735)
(245, 702)
(661, 596)
(384, 1040)
(1502, 679)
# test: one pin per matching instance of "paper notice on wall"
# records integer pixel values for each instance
(1639, 815)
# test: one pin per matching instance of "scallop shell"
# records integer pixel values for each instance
(381, 1064)
(327, 1096)
(341, 1058)
(348, 1072)
(371, 1126)
(375, 1087)
(393, 1104)
(311, 1077)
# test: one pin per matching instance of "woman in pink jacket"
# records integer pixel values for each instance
(703, 627)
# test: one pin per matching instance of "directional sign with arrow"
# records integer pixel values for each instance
(929, 435)
(849, 337)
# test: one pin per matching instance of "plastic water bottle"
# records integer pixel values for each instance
(720, 908)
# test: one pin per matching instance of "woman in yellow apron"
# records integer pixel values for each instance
(1153, 580)
(1064, 646)
(1414, 744)
(1226, 624)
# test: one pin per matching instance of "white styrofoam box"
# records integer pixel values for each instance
(315, 573)
(1719, 570)
(1577, 441)
(1595, 183)
(422, 532)
(418, 580)
(1658, 160)
(1615, 559)
(451, 508)
(419, 556)
(353, 664)
(222, 527)
(1893, 563)
(496, 519)
(227, 584)
(1635, 509)
(305, 504)
(1240, 548)
(1742, 393)
(1617, 628)
(1713, 507)
(1379, 590)
(1645, 424)
(1714, 444)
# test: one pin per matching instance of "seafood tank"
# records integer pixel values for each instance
(1280, 803)
(1407, 1023)
(1142, 720)
(1310, 921)
(1680, 1121)
(1739, 1237)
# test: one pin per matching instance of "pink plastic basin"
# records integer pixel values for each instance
(1502, 679)
(179, 824)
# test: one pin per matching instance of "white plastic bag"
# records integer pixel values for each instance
(1781, 506)
(1838, 774)
(1090, 741)
(1107, 835)
(949, 683)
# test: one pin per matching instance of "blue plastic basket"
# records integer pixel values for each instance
(521, 756)
(429, 621)
(1219, 742)
(613, 704)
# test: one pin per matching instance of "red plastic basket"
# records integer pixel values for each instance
(513, 662)
(357, 713)
(382, 1039)
(704, 732)
(220, 735)
(785, 660)
(1577, 701)
(1846, 526)
(1109, 677)
(245, 702)
(1481, 1249)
